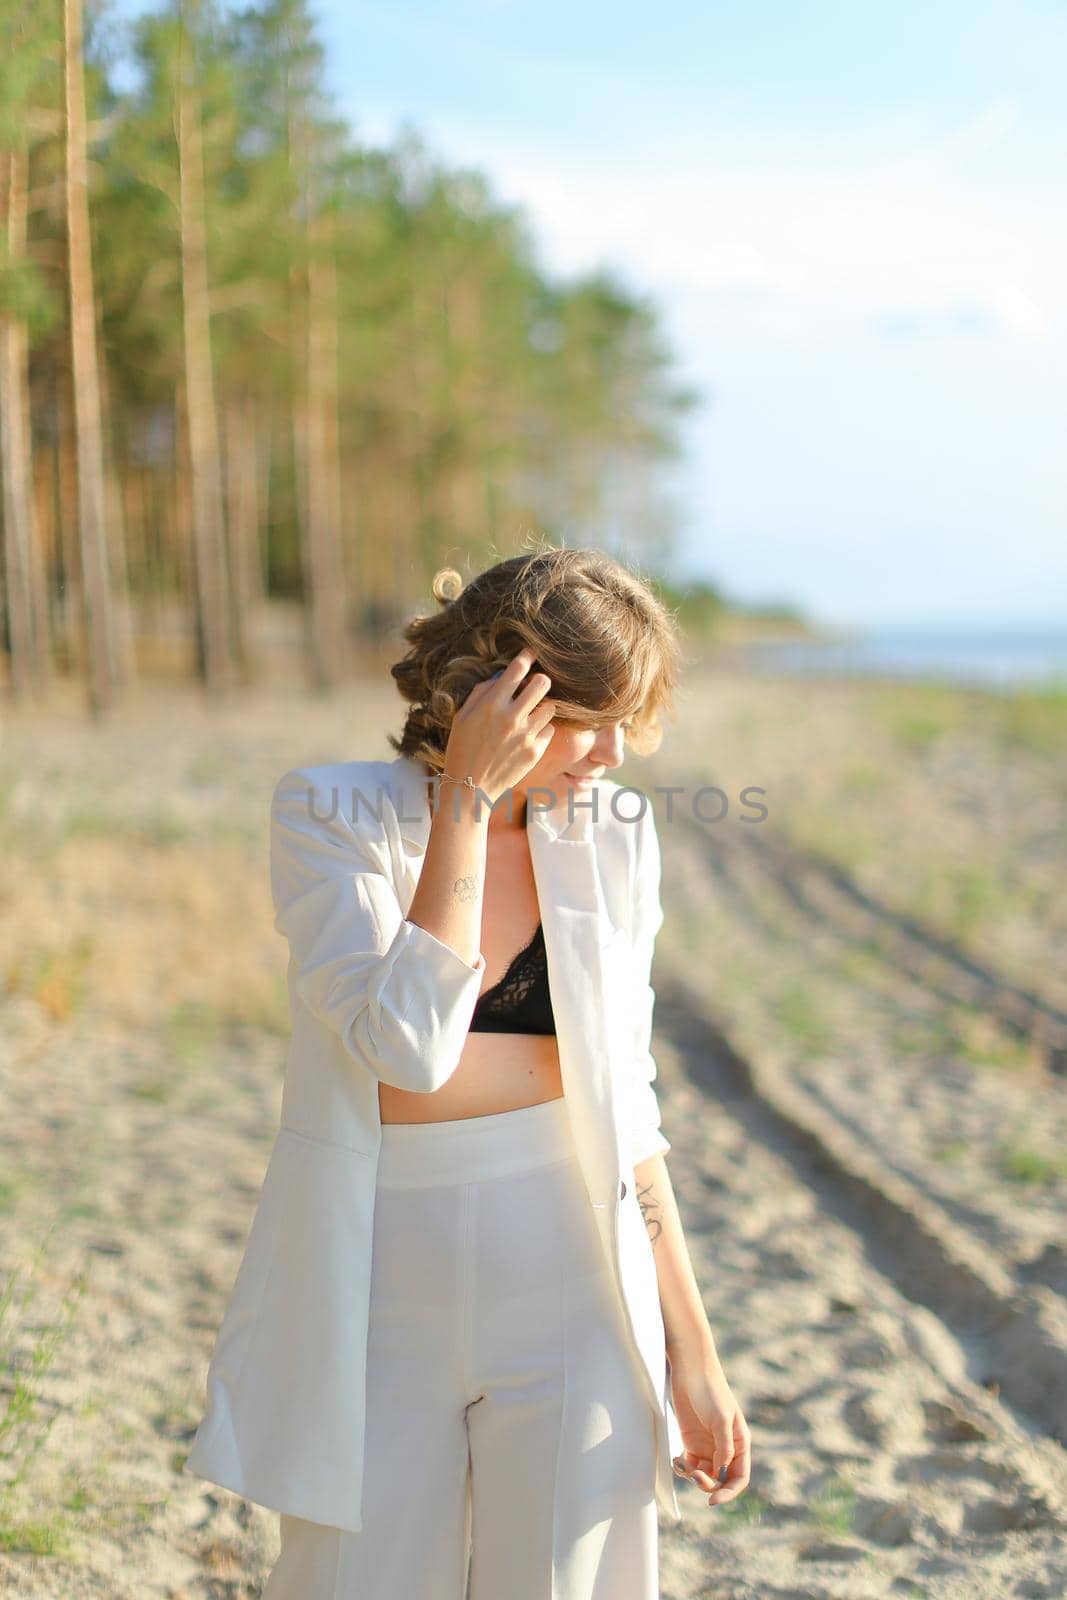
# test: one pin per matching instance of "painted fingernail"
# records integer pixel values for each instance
(722, 1474)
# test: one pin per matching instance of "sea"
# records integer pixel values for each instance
(989, 658)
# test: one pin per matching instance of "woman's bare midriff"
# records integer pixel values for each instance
(496, 1071)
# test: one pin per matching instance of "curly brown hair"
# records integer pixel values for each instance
(610, 646)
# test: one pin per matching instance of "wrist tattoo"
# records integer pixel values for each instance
(464, 888)
(650, 1210)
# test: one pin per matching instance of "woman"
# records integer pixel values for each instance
(445, 1358)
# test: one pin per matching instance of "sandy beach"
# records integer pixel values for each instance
(859, 1034)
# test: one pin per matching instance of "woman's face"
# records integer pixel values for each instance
(576, 754)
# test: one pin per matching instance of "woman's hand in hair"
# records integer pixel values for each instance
(503, 727)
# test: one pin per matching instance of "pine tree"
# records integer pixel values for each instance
(29, 109)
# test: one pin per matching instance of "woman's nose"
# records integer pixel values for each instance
(610, 746)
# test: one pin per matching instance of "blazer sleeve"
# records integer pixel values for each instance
(398, 998)
(646, 1135)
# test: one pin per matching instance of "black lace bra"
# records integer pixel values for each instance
(520, 1001)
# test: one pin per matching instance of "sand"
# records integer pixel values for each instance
(866, 1162)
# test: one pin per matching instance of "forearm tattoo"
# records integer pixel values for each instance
(465, 888)
(650, 1210)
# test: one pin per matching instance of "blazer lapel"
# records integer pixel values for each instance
(578, 937)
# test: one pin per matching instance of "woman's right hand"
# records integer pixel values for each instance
(503, 727)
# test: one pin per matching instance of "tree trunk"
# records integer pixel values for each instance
(207, 508)
(92, 496)
(243, 523)
(134, 525)
(125, 649)
(323, 532)
(27, 622)
(314, 342)
(73, 608)
(181, 528)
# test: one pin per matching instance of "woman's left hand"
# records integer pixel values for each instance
(714, 1431)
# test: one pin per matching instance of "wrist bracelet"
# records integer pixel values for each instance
(467, 782)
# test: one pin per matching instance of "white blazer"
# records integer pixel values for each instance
(376, 997)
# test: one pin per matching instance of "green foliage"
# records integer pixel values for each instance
(30, 71)
(699, 605)
(30, 106)
(24, 296)
(475, 395)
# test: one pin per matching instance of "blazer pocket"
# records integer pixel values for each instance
(303, 1284)
(313, 1196)
(615, 940)
(323, 1143)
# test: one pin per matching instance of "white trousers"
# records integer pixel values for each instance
(510, 1449)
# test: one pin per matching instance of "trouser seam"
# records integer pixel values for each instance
(562, 1309)
(466, 1281)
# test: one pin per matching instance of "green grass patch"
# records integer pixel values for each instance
(1023, 1163)
(192, 1031)
(800, 1016)
(86, 1208)
(917, 716)
(974, 897)
(747, 1508)
(860, 962)
(48, 1536)
(950, 1152)
(28, 1347)
(955, 1034)
(156, 1090)
(863, 779)
(917, 731)
(161, 829)
(1034, 719)
(834, 1505)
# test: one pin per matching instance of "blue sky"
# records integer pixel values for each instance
(852, 216)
